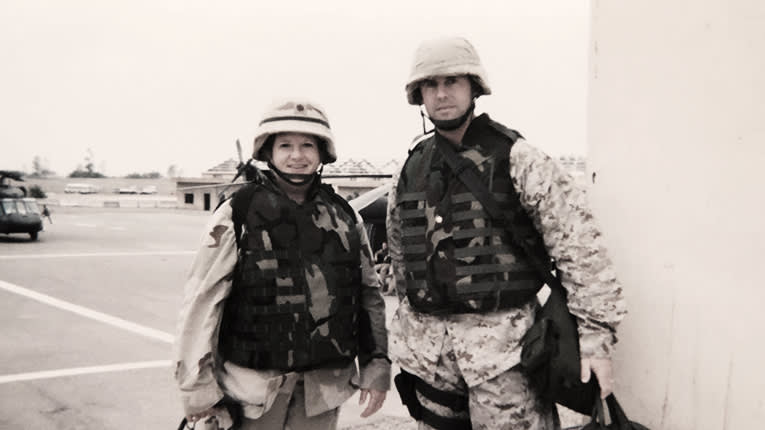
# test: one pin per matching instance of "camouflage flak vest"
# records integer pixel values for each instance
(295, 295)
(458, 259)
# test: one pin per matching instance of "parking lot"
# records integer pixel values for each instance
(89, 313)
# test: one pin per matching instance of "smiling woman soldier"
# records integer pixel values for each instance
(283, 296)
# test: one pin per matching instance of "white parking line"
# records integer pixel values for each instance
(89, 313)
(4, 379)
(94, 254)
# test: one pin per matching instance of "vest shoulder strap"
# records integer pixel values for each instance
(417, 141)
(509, 132)
(520, 227)
(339, 201)
(240, 204)
(419, 157)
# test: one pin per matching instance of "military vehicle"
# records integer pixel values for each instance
(18, 212)
(372, 206)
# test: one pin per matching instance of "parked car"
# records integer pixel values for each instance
(149, 189)
(129, 190)
(80, 188)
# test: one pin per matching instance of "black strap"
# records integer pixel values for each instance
(240, 204)
(295, 118)
(439, 422)
(453, 401)
(408, 385)
(616, 412)
(465, 170)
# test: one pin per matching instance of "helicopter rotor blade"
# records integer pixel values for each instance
(239, 151)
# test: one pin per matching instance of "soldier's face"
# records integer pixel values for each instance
(296, 153)
(446, 97)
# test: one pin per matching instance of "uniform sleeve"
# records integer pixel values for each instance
(393, 231)
(373, 351)
(207, 286)
(559, 209)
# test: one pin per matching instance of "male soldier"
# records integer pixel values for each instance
(46, 213)
(467, 292)
(283, 295)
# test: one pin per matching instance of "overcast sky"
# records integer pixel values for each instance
(149, 83)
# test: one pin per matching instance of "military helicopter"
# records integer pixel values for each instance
(18, 213)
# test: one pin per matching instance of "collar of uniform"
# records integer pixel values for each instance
(478, 128)
(309, 195)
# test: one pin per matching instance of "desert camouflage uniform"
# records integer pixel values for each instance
(480, 351)
(204, 380)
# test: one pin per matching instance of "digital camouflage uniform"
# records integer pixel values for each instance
(203, 375)
(478, 353)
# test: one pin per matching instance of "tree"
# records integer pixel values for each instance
(150, 175)
(40, 168)
(81, 173)
(173, 171)
(89, 170)
(89, 163)
(37, 192)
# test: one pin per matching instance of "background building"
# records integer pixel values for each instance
(351, 178)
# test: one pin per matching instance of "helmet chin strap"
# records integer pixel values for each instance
(453, 124)
(295, 178)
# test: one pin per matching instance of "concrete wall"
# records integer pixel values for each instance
(677, 145)
(199, 192)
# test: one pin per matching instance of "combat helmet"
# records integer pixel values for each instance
(448, 56)
(295, 115)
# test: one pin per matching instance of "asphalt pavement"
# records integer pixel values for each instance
(88, 314)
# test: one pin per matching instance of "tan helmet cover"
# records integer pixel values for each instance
(449, 56)
(295, 116)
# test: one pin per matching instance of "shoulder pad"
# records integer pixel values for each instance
(419, 139)
(227, 193)
(339, 200)
(222, 198)
(509, 132)
(240, 204)
(240, 201)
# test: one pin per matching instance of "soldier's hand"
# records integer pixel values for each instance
(376, 400)
(603, 371)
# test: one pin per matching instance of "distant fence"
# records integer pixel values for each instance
(111, 202)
